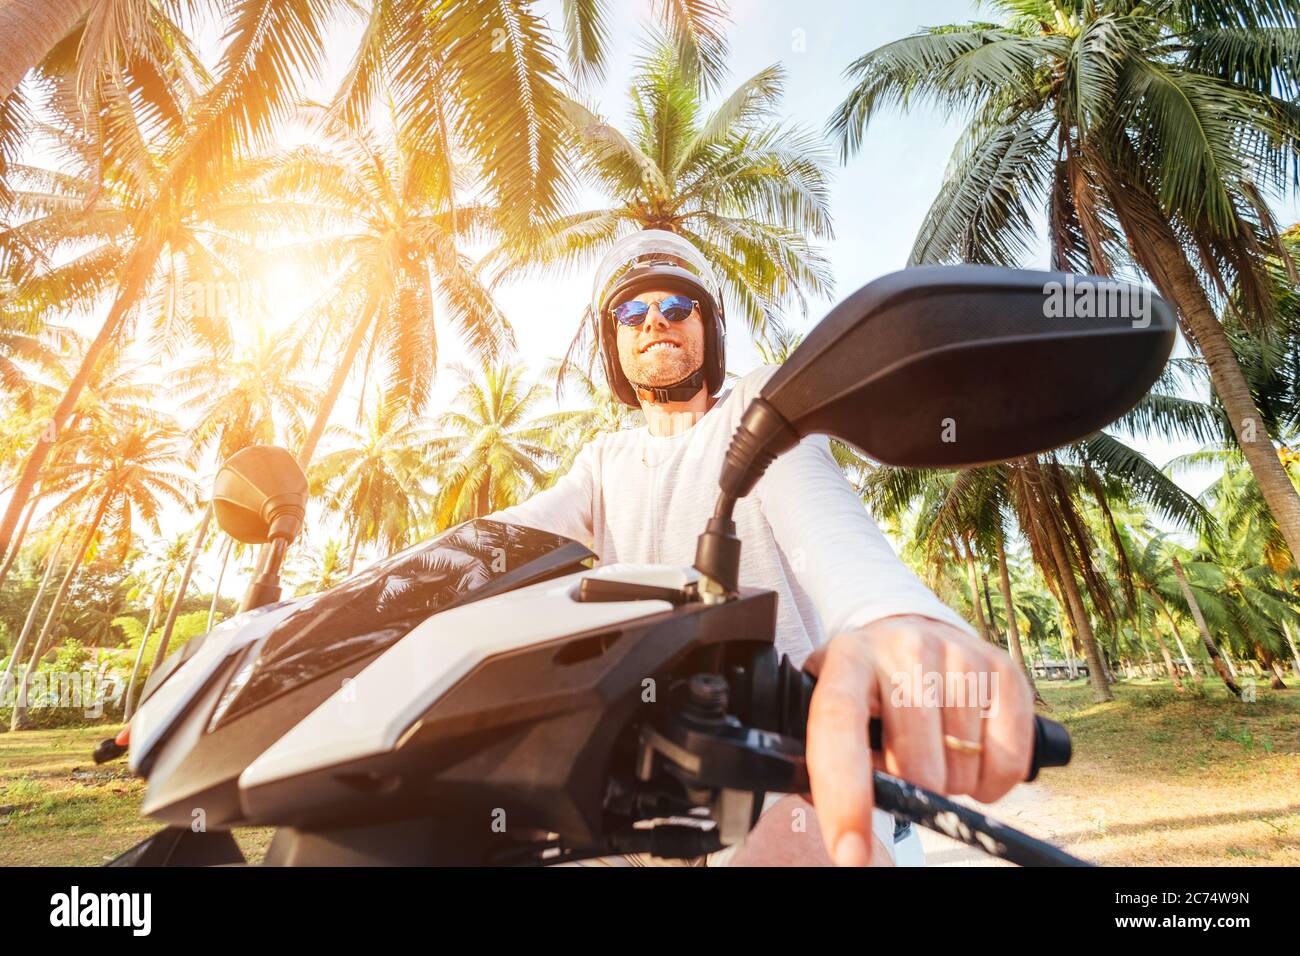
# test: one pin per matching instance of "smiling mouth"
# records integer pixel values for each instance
(660, 346)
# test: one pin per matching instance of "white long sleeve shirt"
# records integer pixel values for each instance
(634, 497)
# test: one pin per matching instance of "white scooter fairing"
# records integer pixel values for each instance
(478, 649)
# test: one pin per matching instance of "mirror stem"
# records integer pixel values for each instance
(761, 435)
(265, 588)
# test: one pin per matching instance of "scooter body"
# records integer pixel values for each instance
(463, 697)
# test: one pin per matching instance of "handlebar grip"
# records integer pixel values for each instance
(1052, 746)
(794, 690)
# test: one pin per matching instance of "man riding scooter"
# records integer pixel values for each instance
(848, 609)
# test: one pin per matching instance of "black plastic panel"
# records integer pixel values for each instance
(373, 610)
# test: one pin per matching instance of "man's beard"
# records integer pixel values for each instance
(663, 367)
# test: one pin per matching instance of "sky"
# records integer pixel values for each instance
(878, 198)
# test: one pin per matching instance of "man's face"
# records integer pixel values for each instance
(659, 352)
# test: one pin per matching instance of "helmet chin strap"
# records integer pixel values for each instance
(682, 390)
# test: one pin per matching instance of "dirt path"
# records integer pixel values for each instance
(1029, 807)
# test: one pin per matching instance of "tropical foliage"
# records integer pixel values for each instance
(157, 209)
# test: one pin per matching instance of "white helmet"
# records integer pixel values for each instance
(656, 258)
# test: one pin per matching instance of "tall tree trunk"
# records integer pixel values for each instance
(31, 29)
(356, 543)
(144, 642)
(994, 633)
(161, 654)
(1173, 627)
(1170, 668)
(1082, 625)
(51, 560)
(1295, 655)
(18, 719)
(137, 272)
(975, 604)
(226, 548)
(337, 380)
(1162, 257)
(1013, 626)
(483, 501)
(18, 538)
(1211, 648)
(1274, 664)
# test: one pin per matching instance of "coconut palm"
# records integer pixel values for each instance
(373, 480)
(748, 191)
(122, 477)
(247, 395)
(1150, 134)
(394, 255)
(478, 74)
(971, 511)
(489, 455)
(100, 231)
(165, 560)
(322, 571)
(597, 411)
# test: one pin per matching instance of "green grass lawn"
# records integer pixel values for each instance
(1156, 779)
(57, 808)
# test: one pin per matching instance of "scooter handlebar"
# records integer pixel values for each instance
(1052, 746)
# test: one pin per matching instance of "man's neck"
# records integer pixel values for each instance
(673, 418)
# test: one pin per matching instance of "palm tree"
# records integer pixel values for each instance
(597, 411)
(394, 253)
(157, 573)
(479, 75)
(972, 509)
(374, 479)
(746, 190)
(488, 456)
(1150, 132)
(322, 572)
(108, 227)
(122, 476)
(246, 395)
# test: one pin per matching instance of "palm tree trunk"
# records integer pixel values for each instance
(1182, 648)
(1211, 648)
(1082, 625)
(1170, 668)
(18, 719)
(52, 559)
(31, 28)
(356, 543)
(18, 538)
(221, 574)
(202, 533)
(1163, 258)
(137, 273)
(1274, 663)
(975, 593)
(483, 505)
(337, 381)
(1295, 655)
(144, 641)
(1013, 627)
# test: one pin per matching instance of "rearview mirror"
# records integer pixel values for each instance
(260, 493)
(947, 367)
(954, 366)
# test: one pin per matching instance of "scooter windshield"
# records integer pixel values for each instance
(372, 610)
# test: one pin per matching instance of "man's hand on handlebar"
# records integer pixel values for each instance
(957, 715)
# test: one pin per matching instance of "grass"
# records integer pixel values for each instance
(57, 808)
(1162, 779)
(1158, 778)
